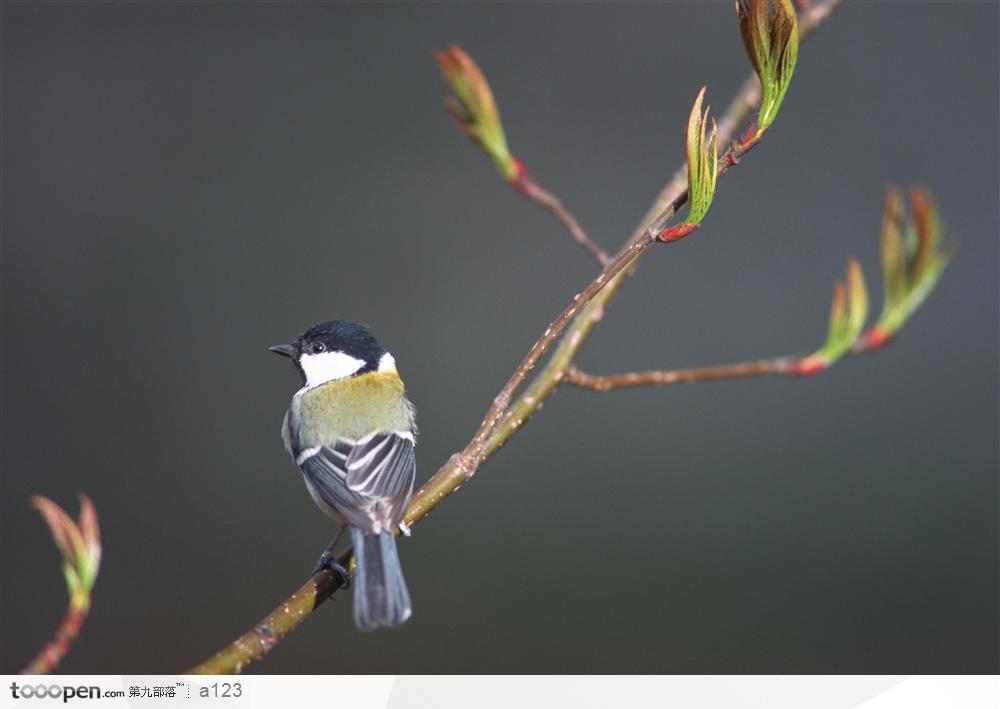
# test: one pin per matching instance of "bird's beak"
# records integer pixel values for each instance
(284, 350)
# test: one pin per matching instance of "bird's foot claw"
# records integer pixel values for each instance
(328, 560)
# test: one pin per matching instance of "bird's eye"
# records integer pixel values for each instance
(317, 347)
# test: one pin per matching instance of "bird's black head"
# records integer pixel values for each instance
(341, 336)
(334, 350)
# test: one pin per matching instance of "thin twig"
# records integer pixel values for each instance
(527, 186)
(664, 376)
(503, 418)
(49, 657)
(871, 341)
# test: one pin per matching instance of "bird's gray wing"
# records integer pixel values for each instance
(367, 482)
(325, 471)
(382, 466)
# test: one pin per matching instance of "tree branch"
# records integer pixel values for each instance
(552, 374)
(257, 641)
(504, 418)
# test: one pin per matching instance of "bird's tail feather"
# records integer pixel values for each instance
(380, 594)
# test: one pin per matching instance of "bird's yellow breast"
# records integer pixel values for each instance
(352, 407)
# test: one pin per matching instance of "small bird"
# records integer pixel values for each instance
(351, 431)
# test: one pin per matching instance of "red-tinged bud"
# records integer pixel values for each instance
(875, 338)
(927, 226)
(913, 257)
(520, 179)
(808, 366)
(702, 161)
(848, 311)
(79, 545)
(770, 33)
(742, 145)
(676, 233)
(746, 138)
(519, 169)
(473, 106)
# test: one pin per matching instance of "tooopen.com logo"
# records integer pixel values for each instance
(56, 691)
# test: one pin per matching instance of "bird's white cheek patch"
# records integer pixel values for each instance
(327, 366)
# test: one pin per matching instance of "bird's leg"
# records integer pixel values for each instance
(328, 560)
(340, 533)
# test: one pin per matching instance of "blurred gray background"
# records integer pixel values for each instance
(185, 184)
